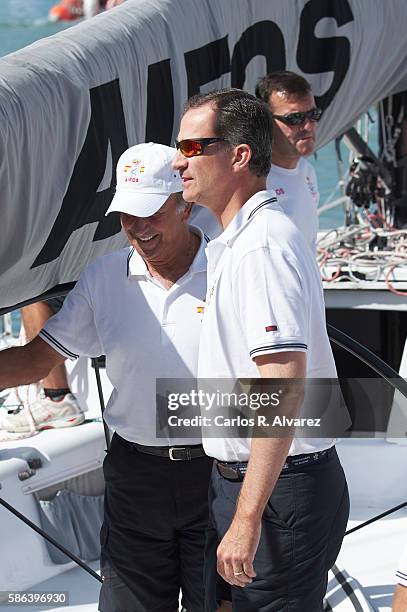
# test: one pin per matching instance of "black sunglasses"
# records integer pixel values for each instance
(299, 118)
(195, 146)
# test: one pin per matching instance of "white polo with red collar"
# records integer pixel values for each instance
(119, 310)
(264, 296)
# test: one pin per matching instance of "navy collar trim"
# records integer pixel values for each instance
(128, 261)
(265, 203)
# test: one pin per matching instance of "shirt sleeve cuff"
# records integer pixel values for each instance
(60, 348)
(278, 347)
(401, 578)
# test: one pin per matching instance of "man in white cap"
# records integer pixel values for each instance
(141, 307)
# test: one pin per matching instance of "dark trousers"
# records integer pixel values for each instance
(302, 530)
(153, 534)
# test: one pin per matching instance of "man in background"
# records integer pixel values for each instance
(295, 117)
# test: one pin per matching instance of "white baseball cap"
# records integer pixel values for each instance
(145, 179)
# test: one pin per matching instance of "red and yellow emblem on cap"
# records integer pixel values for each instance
(135, 167)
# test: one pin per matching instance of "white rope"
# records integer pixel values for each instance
(345, 252)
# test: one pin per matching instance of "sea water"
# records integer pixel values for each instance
(22, 22)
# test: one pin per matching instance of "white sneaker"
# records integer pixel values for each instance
(43, 414)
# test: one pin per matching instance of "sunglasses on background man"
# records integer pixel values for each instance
(300, 118)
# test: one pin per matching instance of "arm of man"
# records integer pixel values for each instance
(400, 599)
(237, 550)
(22, 365)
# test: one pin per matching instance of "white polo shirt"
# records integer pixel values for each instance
(264, 296)
(297, 193)
(119, 310)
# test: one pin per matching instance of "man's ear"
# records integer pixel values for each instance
(242, 157)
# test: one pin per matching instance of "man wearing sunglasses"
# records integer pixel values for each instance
(295, 119)
(278, 505)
